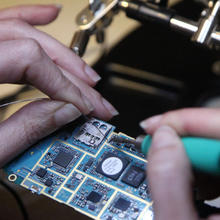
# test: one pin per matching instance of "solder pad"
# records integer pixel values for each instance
(81, 167)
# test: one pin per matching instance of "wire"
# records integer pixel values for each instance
(20, 101)
(17, 198)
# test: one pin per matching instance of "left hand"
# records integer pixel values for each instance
(32, 57)
(16, 24)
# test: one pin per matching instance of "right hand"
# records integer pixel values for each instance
(169, 173)
(32, 57)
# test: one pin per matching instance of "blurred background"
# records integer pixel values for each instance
(146, 70)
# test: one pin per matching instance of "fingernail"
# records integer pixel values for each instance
(92, 74)
(109, 107)
(164, 137)
(59, 6)
(88, 104)
(66, 114)
(146, 124)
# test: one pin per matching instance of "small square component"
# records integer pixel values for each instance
(49, 182)
(122, 204)
(134, 176)
(41, 172)
(112, 166)
(92, 207)
(94, 197)
(63, 159)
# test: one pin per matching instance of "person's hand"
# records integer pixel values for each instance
(33, 57)
(169, 173)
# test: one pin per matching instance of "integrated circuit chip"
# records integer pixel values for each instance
(41, 172)
(92, 207)
(49, 182)
(63, 159)
(94, 197)
(134, 176)
(112, 166)
(122, 204)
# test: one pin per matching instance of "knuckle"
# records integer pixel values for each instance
(176, 119)
(33, 50)
(168, 116)
(79, 92)
(83, 65)
(73, 87)
(66, 86)
(31, 131)
(97, 95)
(29, 49)
(175, 114)
(171, 119)
(16, 23)
(38, 123)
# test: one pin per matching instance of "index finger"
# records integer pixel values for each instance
(24, 61)
(12, 29)
(32, 14)
(203, 122)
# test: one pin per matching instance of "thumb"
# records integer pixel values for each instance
(170, 177)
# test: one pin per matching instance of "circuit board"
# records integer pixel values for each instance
(82, 167)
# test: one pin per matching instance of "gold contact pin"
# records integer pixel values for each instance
(137, 142)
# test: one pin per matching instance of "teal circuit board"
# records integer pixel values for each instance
(82, 167)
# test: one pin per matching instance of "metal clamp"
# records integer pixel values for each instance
(207, 24)
(99, 14)
(93, 20)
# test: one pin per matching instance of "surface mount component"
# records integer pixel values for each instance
(94, 197)
(112, 166)
(63, 159)
(122, 204)
(134, 176)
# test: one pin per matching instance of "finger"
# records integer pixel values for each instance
(60, 54)
(170, 177)
(214, 217)
(193, 121)
(32, 14)
(31, 123)
(24, 61)
(102, 108)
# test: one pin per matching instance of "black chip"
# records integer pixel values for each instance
(136, 210)
(41, 172)
(63, 159)
(113, 169)
(94, 197)
(122, 204)
(48, 182)
(89, 162)
(92, 207)
(134, 176)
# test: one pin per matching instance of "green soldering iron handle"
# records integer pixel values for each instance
(203, 153)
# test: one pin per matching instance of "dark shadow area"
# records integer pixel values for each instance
(154, 70)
